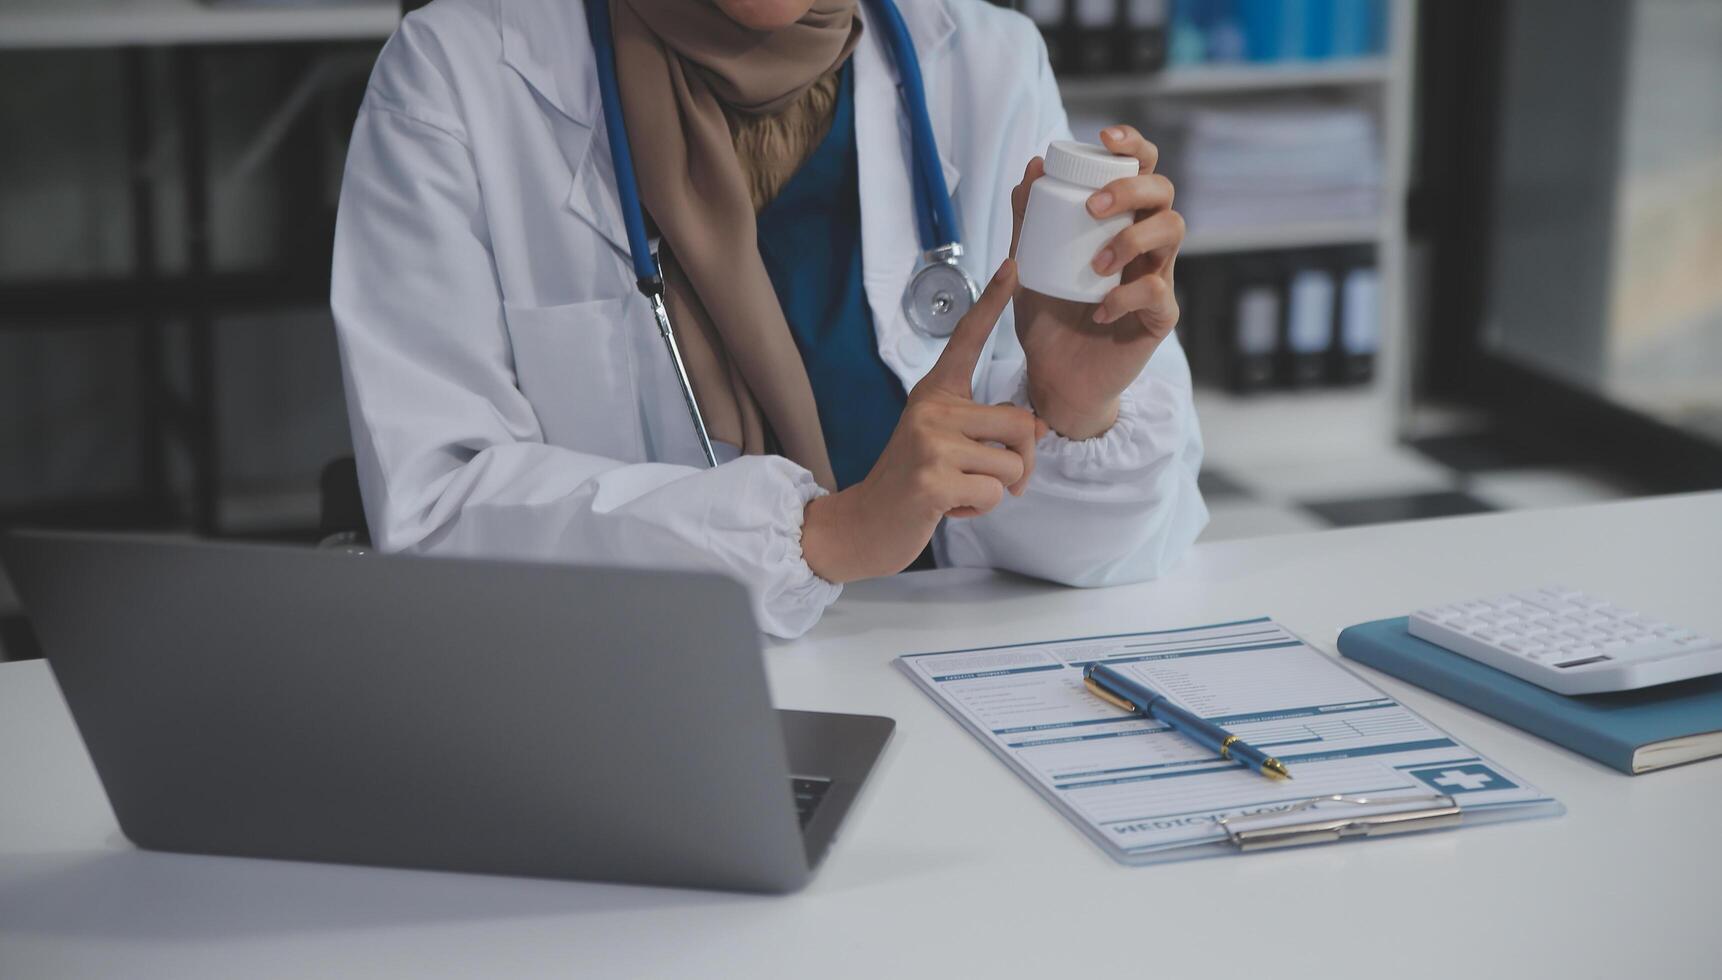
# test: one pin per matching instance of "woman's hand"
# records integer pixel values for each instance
(944, 459)
(1082, 356)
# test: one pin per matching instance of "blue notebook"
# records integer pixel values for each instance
(1633, 731)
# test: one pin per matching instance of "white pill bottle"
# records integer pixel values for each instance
(1060, 237)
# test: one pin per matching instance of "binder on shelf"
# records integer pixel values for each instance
(1187, 43)
(1202, 322)
(1094, 26)
(1359, 335)
(1310, 309)
(1206, 31)
(1257, 311)
(1318, 33)
(1280, 319)
(1142, 33)
(1226, 34)
(1052, 17)
(1358, 28)
(1275, 30)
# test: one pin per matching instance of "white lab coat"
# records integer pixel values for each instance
(508, 390)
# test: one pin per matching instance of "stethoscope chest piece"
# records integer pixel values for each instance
(939, 292)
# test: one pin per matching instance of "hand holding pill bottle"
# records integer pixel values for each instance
(1059, 235)
(1096, 240)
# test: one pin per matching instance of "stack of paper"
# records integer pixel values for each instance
(1256, 167)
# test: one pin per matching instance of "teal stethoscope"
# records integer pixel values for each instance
(939, 290)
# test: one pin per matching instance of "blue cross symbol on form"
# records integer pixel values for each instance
(1464, 780)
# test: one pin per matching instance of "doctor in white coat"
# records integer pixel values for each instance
(510, 394)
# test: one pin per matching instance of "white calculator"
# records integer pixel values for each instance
(1568, 642)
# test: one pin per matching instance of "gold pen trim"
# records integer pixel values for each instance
(1103, 694)
(1226, 746)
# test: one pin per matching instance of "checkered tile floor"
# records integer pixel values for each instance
(1432, 478)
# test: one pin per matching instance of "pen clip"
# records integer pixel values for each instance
(1095, 688)
(1407, 814)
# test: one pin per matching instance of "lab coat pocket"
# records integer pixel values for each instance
(574, 364)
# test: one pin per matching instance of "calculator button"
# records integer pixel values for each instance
(1605, 646)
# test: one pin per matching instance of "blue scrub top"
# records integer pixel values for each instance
(810, 239)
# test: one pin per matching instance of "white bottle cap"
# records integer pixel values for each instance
(1087, 165)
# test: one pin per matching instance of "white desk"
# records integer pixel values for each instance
(119, 23)
(950, 866)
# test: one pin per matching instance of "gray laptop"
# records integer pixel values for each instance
(482, 716)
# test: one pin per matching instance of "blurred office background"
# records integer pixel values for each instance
(1445, 257)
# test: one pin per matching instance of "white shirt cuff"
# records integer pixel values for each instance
(1147, 432)
(788, 596)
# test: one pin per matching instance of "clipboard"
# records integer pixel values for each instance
(1326, 819)
(1369, 766)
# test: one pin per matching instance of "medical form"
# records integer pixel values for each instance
(1146, 793)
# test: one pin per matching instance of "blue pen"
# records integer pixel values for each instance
(1114, 688)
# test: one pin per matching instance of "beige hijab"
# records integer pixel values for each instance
(684, 68)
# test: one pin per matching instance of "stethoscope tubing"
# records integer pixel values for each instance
(935, 215)
(621, 153)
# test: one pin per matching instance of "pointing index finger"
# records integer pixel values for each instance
(956, 365)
